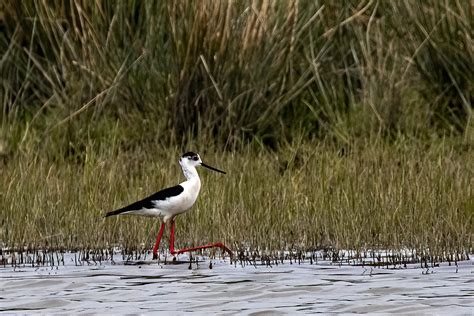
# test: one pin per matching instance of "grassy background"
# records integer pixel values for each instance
(345, 125)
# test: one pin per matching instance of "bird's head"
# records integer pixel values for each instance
(191, 159)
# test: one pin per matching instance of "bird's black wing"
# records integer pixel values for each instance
(148, 201)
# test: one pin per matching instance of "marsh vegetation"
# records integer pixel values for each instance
(341, 126)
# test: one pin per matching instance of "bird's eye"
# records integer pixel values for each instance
(195, 158)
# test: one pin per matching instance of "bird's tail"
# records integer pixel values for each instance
(124, 210)
(113, 213)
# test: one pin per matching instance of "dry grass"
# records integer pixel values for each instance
(306, 196)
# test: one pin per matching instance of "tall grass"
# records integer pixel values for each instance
(237, 70)
(306, 196)
(345, 125)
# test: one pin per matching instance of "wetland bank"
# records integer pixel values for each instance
(340, 125)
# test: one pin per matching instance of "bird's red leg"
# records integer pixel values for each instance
(211, 245)
(172, 238)
(157, 243)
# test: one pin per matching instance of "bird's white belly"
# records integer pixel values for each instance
(167, 208)
(175, 205)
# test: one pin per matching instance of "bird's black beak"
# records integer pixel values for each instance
(212, 168)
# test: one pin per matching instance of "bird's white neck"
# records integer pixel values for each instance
(190, 172)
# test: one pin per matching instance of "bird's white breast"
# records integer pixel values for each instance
(182, 202)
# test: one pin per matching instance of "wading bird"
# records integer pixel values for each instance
(173, 201)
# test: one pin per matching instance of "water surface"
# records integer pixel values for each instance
(230, 289)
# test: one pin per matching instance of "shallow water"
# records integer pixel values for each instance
(229, 289)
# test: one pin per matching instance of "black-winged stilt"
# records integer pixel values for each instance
(173, 201)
